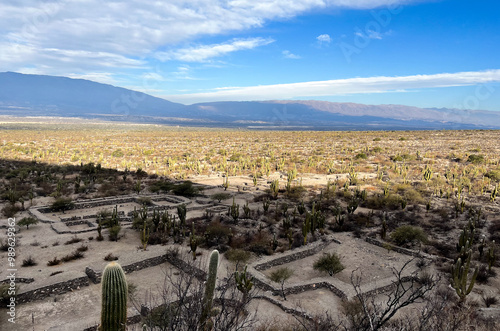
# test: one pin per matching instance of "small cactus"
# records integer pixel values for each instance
(114, 298)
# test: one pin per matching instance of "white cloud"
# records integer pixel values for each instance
(288, 55)
(206, 52)
(324, 39)
(55, 34)
(378, 84)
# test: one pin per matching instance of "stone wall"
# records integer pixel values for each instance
(315, 248)
(58, 288)
(18, 280)
(398, 249)
(95, 276)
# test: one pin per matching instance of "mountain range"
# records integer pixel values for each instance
(39, 95)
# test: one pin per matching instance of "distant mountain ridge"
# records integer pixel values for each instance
(37, 95)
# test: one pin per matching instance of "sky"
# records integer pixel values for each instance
(424, 53)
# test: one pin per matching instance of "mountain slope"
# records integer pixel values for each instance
(61, 96)
(36, 95)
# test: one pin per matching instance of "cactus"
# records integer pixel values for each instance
(427, 173)
(209, 288)
(306, 226)
(460, 273)
(114, 299)
(494, 193)
(246, 210)
(491, 256)
(225, 182)
(289, 235)
(274, 243)
(460, 270)
(275, 186)
(193, 242)
(234, 211)
(145, 235)
(99, 229)
(265, 205)
(301, 208)
(182, 212)
(383, 230)
(244, 283)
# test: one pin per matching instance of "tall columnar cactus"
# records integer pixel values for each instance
(460, 270)
(114, 299)
(209, 289)
(182, 212)
(145, 235)
(193, 242)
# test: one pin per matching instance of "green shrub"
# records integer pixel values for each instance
(186, 189)
(238, 256)
(220, 196)
(493, 175)
(407, 233)
(114, 232)
(476, 158)
(330, 263)
(62, 204)
(361, 156)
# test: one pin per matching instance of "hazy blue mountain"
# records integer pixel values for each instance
(61, 96)
(37, 95)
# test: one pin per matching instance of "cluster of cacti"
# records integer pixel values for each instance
(427, 173)
(494, 193)
(114, 299)
(234, 210)
(274, 187)
(244, 282)
(315, 219)
(353, 177)
(137, 187)
(115, 220)
(352, 205)
(460, 280)
(246, 210)
(209, 289)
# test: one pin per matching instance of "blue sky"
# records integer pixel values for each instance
(427, 53)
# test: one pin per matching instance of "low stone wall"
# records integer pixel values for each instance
(54, 226)
(18, 280)
(186, 267)
(315, 248)
(73, 218)
(95, 276)
(398, 249)
(90, 224)
(59, 288)
(287, 310)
